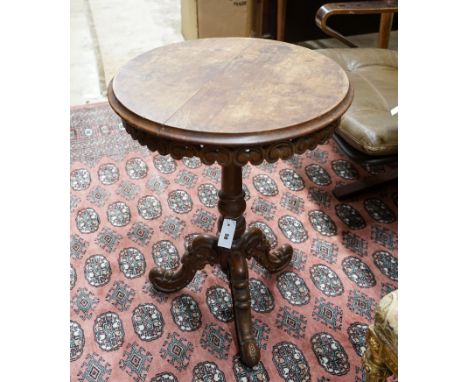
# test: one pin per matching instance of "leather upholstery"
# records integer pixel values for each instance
(368, 125)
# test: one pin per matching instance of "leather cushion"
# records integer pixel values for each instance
(368, 125)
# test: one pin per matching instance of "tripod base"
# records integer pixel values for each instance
(233, 262)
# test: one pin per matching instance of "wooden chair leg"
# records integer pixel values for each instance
(259, 19)
(280, 19)
(386, 20)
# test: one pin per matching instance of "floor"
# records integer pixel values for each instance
(132, 209)
(105, 34)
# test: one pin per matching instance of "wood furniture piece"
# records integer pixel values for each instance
(381, 357)
(290, 21)
(231, 101)
(386, 9)
(281, 19)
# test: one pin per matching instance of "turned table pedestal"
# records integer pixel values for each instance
(230, 101)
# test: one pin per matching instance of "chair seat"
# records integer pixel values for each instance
(368, 125)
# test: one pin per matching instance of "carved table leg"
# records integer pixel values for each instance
(231, 202)
(201, 252)
(239, 278)
(255, 245)
(204, 250)
(232, 205)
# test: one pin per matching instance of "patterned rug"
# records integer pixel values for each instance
(132, 209)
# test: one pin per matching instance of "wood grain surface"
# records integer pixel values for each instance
(254, 89)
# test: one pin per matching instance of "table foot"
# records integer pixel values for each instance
(239, 278)
(201, 252)
(256, 245)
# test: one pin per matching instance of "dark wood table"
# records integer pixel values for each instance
(231, 101)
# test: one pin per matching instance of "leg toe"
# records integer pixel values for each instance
(250, 353)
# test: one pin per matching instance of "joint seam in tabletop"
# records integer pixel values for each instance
(220, 74)
(228, 64)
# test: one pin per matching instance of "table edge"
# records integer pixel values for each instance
(229, 140)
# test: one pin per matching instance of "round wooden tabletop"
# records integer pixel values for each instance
(230, 92)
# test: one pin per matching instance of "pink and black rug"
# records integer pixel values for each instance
(132, 209)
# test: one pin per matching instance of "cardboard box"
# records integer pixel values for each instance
(214, 18)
